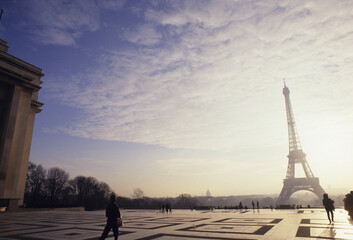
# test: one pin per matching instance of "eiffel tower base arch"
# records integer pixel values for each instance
(292, 185)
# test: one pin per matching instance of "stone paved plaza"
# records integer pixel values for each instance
(181, 224)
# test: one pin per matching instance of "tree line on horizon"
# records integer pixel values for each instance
(54, 188)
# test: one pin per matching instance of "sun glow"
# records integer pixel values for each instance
(331, 145)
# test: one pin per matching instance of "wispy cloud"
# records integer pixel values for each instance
(206, 74)
(145, 34)
(59, 22)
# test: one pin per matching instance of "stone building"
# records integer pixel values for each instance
(19, 86)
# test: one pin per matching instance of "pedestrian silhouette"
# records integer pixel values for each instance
(112, 213)
(170, 208)
(328, 204)
(253, 205)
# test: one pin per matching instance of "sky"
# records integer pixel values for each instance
(179, 97)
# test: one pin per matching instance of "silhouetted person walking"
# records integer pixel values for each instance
(328, 203)
(112, 213)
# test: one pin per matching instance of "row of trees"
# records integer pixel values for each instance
(54, 188)
(140, 201)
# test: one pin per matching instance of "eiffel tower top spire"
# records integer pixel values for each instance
(294, 142)
(285, 88)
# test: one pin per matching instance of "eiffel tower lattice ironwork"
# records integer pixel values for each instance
(292, 184)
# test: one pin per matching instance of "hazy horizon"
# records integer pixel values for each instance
(183, 96)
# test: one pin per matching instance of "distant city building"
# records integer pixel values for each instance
(208, 193)
(19, 87)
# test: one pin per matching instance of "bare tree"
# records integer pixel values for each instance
(80, 191)
(35, 181)
(55, 183)
(103, 194)
(138, 193)
(105, 190)
(91, 187)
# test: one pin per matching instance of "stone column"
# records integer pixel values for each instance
(19, 86)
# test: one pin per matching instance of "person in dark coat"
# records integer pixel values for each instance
(328, 204)
(112, 213)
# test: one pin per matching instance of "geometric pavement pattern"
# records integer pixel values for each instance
(180, 224)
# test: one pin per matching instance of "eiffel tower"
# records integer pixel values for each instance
(291, 184)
